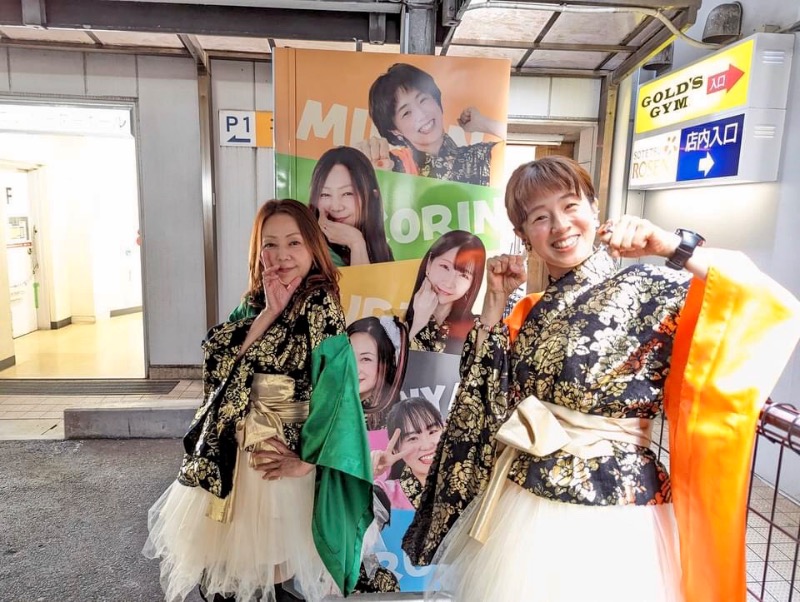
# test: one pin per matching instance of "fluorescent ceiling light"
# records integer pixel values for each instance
(536, 139)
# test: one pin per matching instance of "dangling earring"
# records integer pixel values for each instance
(526, 243)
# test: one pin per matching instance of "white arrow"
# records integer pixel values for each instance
(706, 163)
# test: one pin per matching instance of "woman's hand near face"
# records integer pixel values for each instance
(377, 151)
(384, 459)
(282, 462)
(277, 293)
(345, 235)
(425, 303)
(633, 237)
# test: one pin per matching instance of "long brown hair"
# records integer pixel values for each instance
(322, 274)
(365, 183)
(391, 367)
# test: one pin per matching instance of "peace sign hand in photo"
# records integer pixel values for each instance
(383, 460)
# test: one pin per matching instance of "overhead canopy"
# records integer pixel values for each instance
(584, 38)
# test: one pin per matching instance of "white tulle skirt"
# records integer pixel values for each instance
(268, 540)
(544, 551)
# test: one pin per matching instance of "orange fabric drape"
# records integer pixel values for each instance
(736, 332)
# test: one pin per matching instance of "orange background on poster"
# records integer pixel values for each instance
(344, 78)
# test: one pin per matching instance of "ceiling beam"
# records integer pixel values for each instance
(193, 46)
(78, 47)
(545, 30)
(201, 19)
(556, 72)
(545, 46)
(353, 6)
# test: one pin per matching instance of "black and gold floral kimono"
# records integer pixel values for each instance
(469, 164)
(620, 345)
(447, 337)
(308, 344)
(597, 342)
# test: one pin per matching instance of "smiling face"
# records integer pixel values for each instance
(421, 447)
(366, 352)
(449, 283)
(561, 228)
(339, 199)
(282, 245)
(418, 118)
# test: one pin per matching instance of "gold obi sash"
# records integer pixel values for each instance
(540, 428)
(271, 405)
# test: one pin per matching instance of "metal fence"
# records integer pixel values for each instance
(773, 519)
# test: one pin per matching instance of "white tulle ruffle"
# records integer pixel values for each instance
(544, 551)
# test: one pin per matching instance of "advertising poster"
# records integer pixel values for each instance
(401, 158)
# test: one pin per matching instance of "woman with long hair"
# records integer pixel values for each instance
(346, 196)
(439, 315)
(278, 446)
(380, 346)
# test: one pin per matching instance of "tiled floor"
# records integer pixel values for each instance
(32, 417)
(109, 348)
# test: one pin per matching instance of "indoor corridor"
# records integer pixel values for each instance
(110, 348)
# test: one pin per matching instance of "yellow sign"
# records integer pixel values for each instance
(715, 84)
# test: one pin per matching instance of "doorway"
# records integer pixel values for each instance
(70, 258)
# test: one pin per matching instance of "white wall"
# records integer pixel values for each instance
(763, 220)
(554, 98)
(245, 176)
(6, 340)
(165, 92)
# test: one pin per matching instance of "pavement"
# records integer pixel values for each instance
(74, 518)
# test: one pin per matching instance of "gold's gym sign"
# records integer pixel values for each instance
(717, 84)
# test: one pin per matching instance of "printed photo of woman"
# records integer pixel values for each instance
(346, 197)
(405, 105)
(440, 314)
(401, 469)
(381, 349)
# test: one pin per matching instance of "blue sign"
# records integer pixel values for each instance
(410, 577)
(711, 150)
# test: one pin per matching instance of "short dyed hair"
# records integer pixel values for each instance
(383, 95)
(532, 181)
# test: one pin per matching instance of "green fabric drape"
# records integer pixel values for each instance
(334, 438)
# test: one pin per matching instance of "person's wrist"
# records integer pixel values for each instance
(673, 242)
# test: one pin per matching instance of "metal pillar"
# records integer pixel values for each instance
(418, 33)
(605, 141)
(207, 189)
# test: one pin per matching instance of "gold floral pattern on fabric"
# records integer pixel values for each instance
(469, 164)
(382, 581)
(599, 342)
(285, 348)
(432, 337)
(410, 486)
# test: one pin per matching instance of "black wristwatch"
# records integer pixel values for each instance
(689, 242)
